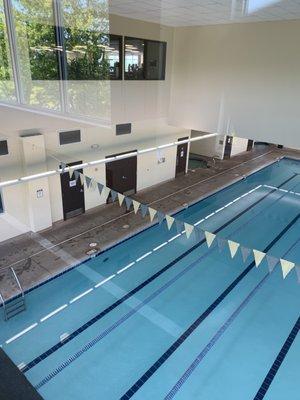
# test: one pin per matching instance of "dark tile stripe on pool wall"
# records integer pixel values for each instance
(278, 361)
(99, 316)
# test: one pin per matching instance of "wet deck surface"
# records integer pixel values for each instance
(38, 256)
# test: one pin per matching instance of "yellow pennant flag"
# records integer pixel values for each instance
(286, 267)
(121, 198)
(170, 220)
(188, 229)
(210, 237)
(233, 247)
(82, 179)
(258, 257)
(136, 206)
(71, 172)
(152, 213)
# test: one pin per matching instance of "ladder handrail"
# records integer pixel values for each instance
(4, 306)
(17, 280)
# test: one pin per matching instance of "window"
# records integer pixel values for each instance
(7, 87)
(92, 55)
(145, 59)
(36, 52)
(1, 204)
(69, 137)
(3, 148)
(155, 65)
(134, 58)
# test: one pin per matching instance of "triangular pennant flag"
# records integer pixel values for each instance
(113, 194)
(105, 193)
(71, 172)
(136, 206)
(160, 216)
(286, 266)
(245, 253)
(76, 175)
(210, 237)
(298, 272)
(128, 202)
(272, 262)
(188, 229)
(233, 247)
(63, 166)
(152, 213)
(258, 257)
(81, 179)
(179, 226)
(221, 243)
(88, 181)
(170, 220)
(144, 210)
(121, 198)
(100, 187)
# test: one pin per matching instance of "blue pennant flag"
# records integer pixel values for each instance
(128, 202)
(144, 210)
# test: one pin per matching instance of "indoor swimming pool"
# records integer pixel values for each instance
(160, 316)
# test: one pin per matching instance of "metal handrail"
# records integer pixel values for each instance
(4, 305)
(17, 280)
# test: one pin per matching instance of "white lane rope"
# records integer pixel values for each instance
(80, 296)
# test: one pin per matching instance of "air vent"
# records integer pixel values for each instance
(123, 129)
(3, 148)
(69, 137)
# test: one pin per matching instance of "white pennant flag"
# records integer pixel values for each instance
(188, 229)
(82, 179)
(152, 213)
(286, 267)
(170, 220)
(210, 237)
(136, 206)
(121, 198)
(233, 247)
(258, 257)
(71, 172)
(105, 193)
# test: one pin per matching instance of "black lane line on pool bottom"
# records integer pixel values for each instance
(188, 372)
(99, 316)
(278, 361)
(167, 354)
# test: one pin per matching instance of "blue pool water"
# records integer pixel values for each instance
(185, 321)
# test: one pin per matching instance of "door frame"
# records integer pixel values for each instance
(71, 164)
(186, 159)
(121, 154)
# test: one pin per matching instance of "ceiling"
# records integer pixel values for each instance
(205, 12)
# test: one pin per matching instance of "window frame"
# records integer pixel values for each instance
(145, 58)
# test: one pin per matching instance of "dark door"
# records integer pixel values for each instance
(250, 145)
(181, 157)
(72, 194)
(121, 174)
(228, 146)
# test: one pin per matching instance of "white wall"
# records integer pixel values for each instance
(239, 78)
(211, 147)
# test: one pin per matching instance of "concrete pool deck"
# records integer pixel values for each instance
(39, 256)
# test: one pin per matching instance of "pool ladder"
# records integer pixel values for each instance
(17, 304)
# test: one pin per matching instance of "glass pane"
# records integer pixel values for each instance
(37, 54)
(155, 60)
(7, 87)
(86, 40)
(91, 55)
(134, 58)
(113, 56)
